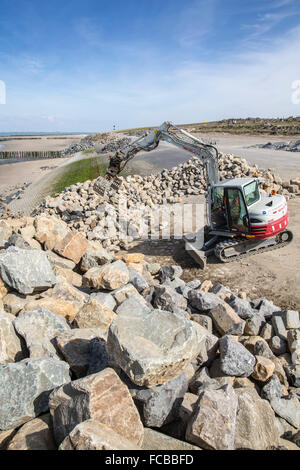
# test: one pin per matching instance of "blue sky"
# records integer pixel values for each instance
(85, 66)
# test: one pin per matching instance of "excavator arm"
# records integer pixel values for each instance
(167, 132)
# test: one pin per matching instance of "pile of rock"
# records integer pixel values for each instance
(110, 352)
(77, 147)
(102, 217)
(291, 146)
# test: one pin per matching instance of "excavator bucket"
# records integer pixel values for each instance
(197, 254)
(103, 186)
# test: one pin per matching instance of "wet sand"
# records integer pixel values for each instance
(38, 143)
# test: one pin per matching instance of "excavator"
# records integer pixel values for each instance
(240, 220)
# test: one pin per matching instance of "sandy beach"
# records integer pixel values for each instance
(38, 143)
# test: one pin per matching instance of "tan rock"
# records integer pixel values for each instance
(263, 369)
(59, 261)
(50, 231)
(242, 382)
(4, 224)
(92, 435)
(131, 257)
(3, 289)
(102, 397)
(287, 445)
(249, 342)
(5, 437)
(226, 320)
(34, 435)
(69, 275)
(94, 315)
(72, 247)
(137, 266)
(10, 344)
(27, 232)
(256, 423)
(154, 440)
(279, 371)
(206, 285)
(124, 293)
(62, 307)
(110, 276)
(14, 303)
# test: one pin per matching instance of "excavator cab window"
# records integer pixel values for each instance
(251, 192)
(218, 208)
(237, 210)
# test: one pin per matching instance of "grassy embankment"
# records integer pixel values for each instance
(81, 171)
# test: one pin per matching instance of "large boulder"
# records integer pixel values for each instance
(10, 344)
(26, 271)
(93, 435)
(256, 427)
(235, 359)
(109, 276)
(102, 397)
(25, 387)
(153, 348)
(212, 424)
(39, 328)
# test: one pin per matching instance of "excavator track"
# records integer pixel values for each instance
(222, 246)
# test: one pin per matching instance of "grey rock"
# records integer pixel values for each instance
(153, 348)
(94, 258)
(261, 348)
(293, 374)
(220, 290)
(18, 241)
(291, 319)
(272, 389)
(25, 387)
(279, 327)
(170, 272)
(84, 349)
(203, 301)
(11, 349)
(202, 381)
(98, 355)
(242, 308)
(195, 284)
(254, 325)
(136, 279)
(212, 425)
(288, 409)
(267, 308)
(159, 405)
(235, 359)
(39, 328)
(134, 303)
(166, 298)
(296, 438)
(293, 338)
(278, 345)
(26, 271)
(203, 320)
(256, 427)
(106, 299)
